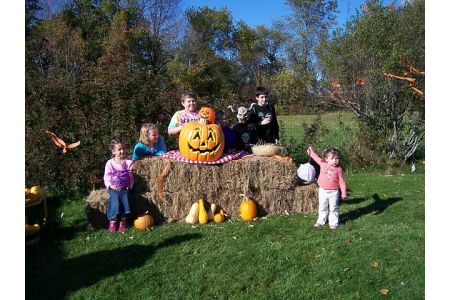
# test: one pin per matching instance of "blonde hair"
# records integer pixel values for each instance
(145, 129)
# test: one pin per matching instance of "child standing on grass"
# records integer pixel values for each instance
(151, 143)
(118, 181)
(330, 179)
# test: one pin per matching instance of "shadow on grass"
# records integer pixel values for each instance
(376, 207)
(85, 270)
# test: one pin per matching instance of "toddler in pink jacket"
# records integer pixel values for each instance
(331, 179)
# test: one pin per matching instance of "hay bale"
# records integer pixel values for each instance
(167, 188)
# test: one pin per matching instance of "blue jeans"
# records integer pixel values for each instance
(118, 203)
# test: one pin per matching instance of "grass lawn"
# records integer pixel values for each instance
(336, 122)
(379, 245)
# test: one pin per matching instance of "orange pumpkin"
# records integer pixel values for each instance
(248, 209)
(143, 222)
(207, 113)
(200, 141)
(220, 217)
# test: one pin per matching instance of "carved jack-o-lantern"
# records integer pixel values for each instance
(200, 141)
(207, 113)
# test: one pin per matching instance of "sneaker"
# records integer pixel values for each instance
(318, 225)
(112, 226)
(122, 226)
(333, 227)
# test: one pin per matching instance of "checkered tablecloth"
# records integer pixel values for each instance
(176, 155)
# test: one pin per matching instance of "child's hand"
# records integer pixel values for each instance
(265, 121)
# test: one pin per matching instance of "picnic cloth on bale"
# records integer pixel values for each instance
(226, 157)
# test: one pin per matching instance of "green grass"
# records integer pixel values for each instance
(278, 257)
(294, 128)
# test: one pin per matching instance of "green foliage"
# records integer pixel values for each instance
(378, 40)
(380, 244)
(89, 97)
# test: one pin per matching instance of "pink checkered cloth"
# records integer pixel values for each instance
(176, 155)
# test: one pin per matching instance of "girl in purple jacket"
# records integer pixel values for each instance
(119, 181)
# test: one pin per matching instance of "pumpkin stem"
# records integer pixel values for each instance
(202, 121)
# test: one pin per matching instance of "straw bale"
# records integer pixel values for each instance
(167, 188)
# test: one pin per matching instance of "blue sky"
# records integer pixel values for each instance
(256, 12)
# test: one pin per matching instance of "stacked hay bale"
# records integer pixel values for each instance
(167, 188)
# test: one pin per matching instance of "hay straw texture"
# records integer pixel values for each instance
(168, 188)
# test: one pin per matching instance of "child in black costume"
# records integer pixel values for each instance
(264, 118)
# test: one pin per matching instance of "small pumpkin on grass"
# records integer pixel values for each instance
(220, 217)
(143, 222)
(248, 209)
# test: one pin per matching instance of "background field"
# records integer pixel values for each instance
(380, 245)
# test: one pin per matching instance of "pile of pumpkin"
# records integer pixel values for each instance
(32, 195)
(198, 212)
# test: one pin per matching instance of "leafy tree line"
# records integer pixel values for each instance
(97, 70)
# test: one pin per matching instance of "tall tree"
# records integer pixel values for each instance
(308, 24)
(259, 51)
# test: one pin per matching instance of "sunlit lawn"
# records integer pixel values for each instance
(380, 245)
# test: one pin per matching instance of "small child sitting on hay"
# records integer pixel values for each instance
(118, 180)
(151, 143)
(230, 136)
(244, 131)
(330, 179)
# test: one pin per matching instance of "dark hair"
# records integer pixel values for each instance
(219, 113)
(114, 142)
(333, 151)
(187, 95)
(260, 90)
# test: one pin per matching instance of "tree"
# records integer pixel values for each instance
(380, 40)
(259, 51)
(308, 25)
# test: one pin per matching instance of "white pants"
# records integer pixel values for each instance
(328, 199)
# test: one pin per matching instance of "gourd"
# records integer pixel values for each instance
(192, 217)
(207, 113)
(218, 218)
(248, 209)
(212, 211)
(35, 192)
(200, 141)
(31, 229)
(143, 222)
(202, 214)
(27, 192)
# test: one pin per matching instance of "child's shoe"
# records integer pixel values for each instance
(122, 226)
(112, 226)
(318, 225)
(333, 227)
